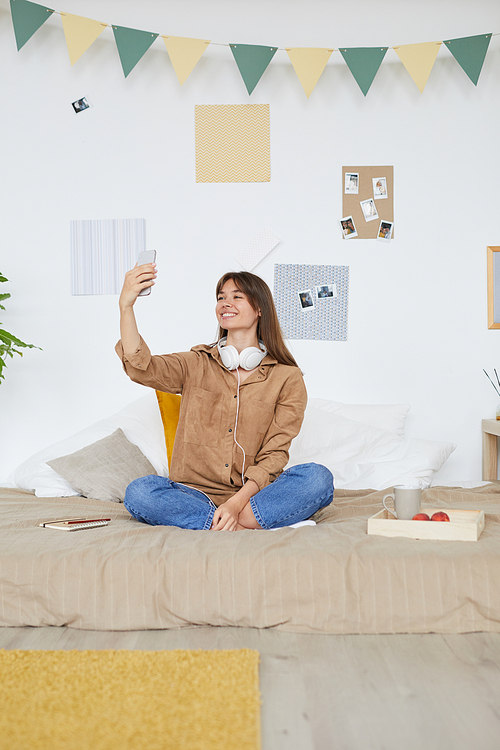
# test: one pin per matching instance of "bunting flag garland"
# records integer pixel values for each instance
(419, 60)
(470, 52)
(184, 54)
(309, 63)
(80, 33)
(132, 45)
(364, 62)
(27, 18)
(252, 60)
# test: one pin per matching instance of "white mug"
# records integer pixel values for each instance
(407, 500)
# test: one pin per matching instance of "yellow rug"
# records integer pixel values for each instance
(129, 700)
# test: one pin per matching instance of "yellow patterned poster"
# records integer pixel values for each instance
(233, 143)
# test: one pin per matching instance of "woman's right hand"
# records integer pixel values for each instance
(137, 279)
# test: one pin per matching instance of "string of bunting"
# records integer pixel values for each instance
(252, 60)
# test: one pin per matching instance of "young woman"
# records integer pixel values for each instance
(243, 402)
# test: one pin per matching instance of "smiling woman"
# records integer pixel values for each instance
(243, 402)
(253, 291)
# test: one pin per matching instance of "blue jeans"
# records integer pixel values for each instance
(294, 496)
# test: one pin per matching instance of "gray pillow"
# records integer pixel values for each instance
(103, 470)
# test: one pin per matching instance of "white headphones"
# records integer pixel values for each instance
(248, 359)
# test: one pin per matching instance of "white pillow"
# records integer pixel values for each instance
(364, 457)
(390, 417)
(142, 425)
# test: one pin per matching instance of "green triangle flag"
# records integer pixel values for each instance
(252, 60)
(364, 62)
(470, 52)
(132, 45)
(27, 18)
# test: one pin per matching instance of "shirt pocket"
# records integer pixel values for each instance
(203, 417)
(256, 418)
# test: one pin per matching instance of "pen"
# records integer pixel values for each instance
(88, 520)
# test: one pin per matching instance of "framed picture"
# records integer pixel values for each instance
(494, 287)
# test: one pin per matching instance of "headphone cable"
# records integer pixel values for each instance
(236, 425)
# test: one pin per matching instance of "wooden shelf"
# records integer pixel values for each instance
(491, 433)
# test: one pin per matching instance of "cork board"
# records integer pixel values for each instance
(351, 202)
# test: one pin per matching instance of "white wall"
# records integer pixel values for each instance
(417, 309)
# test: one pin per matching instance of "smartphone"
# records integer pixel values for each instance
(147, 256)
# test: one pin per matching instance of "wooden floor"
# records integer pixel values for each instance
(320, 692)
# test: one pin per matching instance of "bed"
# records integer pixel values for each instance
(329, 578)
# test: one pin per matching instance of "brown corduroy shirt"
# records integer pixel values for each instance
(205, 456)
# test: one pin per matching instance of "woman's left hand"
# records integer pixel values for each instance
(225, 518)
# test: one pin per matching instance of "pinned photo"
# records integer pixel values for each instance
(369, 209)
(306, 299)
(384, 233)
(351, 185)
(326, 290)
(348, 227)
(379, 187)
(81, 104)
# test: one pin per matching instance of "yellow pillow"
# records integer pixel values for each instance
(170, 404)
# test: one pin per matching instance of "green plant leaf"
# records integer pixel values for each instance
(9, 344)
(8, 338)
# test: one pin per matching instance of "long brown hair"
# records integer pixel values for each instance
(260, 298)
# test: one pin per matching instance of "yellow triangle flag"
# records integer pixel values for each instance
(309, 63)
(418, 60)
(80, 33)
(184, 54)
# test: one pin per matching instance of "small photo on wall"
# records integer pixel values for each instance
(351, 185)
(306, 299)
(81, 104)
(379, 187)
(369, 209)
(384, 233)
(326, 290)
(348, 227)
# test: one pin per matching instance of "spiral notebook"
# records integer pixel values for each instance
(75, 524)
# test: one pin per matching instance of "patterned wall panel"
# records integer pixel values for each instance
(312, 301)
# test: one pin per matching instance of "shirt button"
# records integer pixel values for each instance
(230, 430)
(234, 396)
(227, 465)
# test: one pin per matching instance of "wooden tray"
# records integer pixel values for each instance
(464, 525)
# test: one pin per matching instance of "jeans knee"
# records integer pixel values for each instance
(320, 479)
(136, 492)
(317, 473)
(324, 474)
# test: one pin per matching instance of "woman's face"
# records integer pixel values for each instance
(233, 310)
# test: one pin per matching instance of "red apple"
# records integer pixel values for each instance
(421, 517)
(440, 516)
